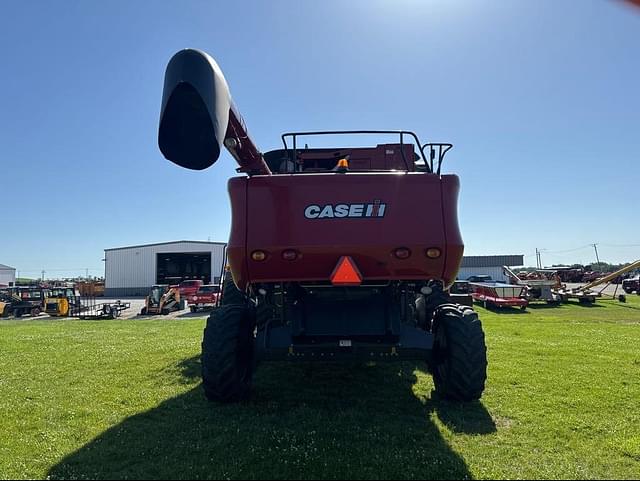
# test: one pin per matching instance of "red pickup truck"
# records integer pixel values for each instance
(206, 297)
(188, 289)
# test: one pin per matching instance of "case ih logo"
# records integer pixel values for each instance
(339, 211)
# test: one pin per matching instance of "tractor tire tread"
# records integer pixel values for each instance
(227, 342)
(463, 373)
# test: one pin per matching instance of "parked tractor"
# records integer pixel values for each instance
(335, 254)
(162, 299)
(27, 300)
(61, 301)
(11, 304)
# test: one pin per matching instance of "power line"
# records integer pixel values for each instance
(620, 245)
(571, 250)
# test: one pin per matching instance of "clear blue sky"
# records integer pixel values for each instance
(541, 99)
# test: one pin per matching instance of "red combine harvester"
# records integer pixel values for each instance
(335, 254)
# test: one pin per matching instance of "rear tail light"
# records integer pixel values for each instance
(258, 255)
(289, 255)
(402, 253)
(433, 253)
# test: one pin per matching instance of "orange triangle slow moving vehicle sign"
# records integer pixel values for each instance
(346, 273)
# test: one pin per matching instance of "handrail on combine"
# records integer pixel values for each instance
(429, 163)
(442, 151)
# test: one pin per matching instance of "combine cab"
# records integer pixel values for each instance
(335, 254)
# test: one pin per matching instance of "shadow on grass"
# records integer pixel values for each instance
(627, 306)
(541, 306)
(304, 421)
(586, 305)
(201, 313)
(507, 310)
(463, 418)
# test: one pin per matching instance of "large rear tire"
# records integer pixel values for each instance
(459, 363)
(228, 354)
(231, 295)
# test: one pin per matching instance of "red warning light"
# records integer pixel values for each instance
(346, 273)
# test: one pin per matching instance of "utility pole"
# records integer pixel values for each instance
(539, 258)
(595, 246)
(43, 271)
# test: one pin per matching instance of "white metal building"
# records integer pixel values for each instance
(131, 271)
(488, 265)
(7, 276)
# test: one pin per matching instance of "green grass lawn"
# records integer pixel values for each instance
(121, 399)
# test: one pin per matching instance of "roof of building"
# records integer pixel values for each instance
(165, 243)
(492, 261)
(6, 268)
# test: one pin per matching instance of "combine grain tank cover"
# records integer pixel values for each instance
(195, 110)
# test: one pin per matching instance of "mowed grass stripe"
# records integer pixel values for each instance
(121, 399)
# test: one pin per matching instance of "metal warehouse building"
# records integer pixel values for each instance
(131, 271)
(488, 265)
(7, 276)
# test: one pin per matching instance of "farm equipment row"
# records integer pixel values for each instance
(587, 295)
(545, 285)
(56, 302)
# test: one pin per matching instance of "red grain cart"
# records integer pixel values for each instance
(496, 294)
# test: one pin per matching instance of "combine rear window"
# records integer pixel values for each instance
(383, 157)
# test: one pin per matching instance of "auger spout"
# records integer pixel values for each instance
(198, 117)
